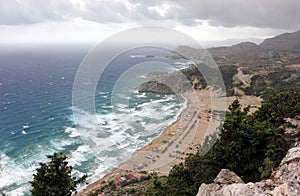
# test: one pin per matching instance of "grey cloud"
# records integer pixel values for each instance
(280, 14)
(255, 13)
(104, 11)
(15, 12)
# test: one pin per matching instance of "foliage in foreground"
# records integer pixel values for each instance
(54, 178)
(250, 145)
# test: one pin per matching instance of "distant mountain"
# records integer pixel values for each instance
(237, 49)
(245, 52)
(281, 50)
(229, 42)
(289, 42)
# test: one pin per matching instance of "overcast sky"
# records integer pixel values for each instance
(36, 21)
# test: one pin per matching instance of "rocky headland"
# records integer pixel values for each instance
(178, 81)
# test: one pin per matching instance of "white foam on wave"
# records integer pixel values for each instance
(17, 192)
(109, 139)
(137, 56)
(58, 145)
(15, 176)
(106, 106)
(103, 93)
(150, 127)
(16, 173)
(120, 105)
(98, 154)
(134, 91)
(141, 95)
(180, 63)
(79, 155)
(73, 132)
(125, 96)
(142, 76)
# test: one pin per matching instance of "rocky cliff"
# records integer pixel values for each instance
(284, 181)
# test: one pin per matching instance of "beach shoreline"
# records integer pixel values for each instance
(177, 140)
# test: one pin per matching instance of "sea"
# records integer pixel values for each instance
(37, 116)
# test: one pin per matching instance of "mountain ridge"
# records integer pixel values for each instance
(289, 42)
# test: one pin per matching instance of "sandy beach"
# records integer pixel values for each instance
(201, 117)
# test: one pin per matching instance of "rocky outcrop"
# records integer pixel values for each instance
(227, 177)
(155, 87)
(178, 81)
(285, 181)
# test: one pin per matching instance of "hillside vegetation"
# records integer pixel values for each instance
(251, 145)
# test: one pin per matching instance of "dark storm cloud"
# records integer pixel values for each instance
(281, 14)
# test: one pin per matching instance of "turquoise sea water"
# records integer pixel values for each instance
(36, 112)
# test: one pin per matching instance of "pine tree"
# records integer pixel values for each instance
(54, 178)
